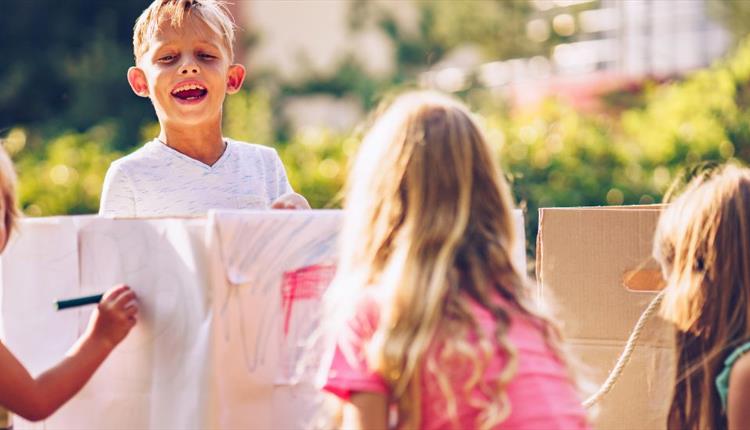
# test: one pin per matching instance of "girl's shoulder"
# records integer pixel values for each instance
(736, 372)
(741, 372)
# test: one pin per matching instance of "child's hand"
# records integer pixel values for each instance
(114, 316)
(290, 201)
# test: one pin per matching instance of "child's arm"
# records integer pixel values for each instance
(36, 399)
(738, 413)
(365, 410)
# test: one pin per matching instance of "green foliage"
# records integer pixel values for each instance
(315, 159)
(686, 121)
(734, 14)
(316, 162)
(65, 65)
(66, 177)
(349, 79)
(704, 118)
(248, 116)
(556, 157)
(559, 157)
(498, 26)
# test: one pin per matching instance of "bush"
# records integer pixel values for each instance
(66, 176)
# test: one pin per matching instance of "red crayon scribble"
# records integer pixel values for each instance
(304, 284)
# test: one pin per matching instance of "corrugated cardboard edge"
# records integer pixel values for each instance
(539, 256)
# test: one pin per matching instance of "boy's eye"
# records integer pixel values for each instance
(166, 59)
(206, 56)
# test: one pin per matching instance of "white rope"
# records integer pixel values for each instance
(616, 371)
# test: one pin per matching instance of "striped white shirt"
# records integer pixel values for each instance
(157, 180)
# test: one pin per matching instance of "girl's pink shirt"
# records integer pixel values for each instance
(541, 394)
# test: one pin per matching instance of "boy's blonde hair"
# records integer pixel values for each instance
(8, 192)
(429, 230)
(213, 13)
(703, 243)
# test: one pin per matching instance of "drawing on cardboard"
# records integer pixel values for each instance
(307, 283)
(271, 271)
(263, 257)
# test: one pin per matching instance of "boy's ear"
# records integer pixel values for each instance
(235, 77)
(137, 81)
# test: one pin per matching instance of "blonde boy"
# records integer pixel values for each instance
(184, 64)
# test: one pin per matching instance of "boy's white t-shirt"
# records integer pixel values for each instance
(157, 180)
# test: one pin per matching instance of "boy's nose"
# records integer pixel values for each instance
(188, 69)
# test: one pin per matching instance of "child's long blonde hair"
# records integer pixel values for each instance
(429, 224)
(8, 194)
(703, 244)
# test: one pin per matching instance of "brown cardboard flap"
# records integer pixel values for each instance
(643, 280)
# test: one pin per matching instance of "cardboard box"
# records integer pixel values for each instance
(595, 270)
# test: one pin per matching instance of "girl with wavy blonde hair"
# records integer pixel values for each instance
(703, 244)
(434, 324)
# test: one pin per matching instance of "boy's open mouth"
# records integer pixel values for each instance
(190, 92)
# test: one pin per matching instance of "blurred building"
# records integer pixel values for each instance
(642, 37)
(297, 39)
(594, 46)
(612, 43)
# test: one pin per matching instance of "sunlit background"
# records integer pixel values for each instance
(587, 102)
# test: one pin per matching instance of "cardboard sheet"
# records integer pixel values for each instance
(228, 303)
(584, 258)
(153, 379)
(207, 352)
(39, 265)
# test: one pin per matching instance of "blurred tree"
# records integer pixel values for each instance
(734, 14)
(497, 26)
(704, 118)
(349, 78)
(67, 66)
(555, 156)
